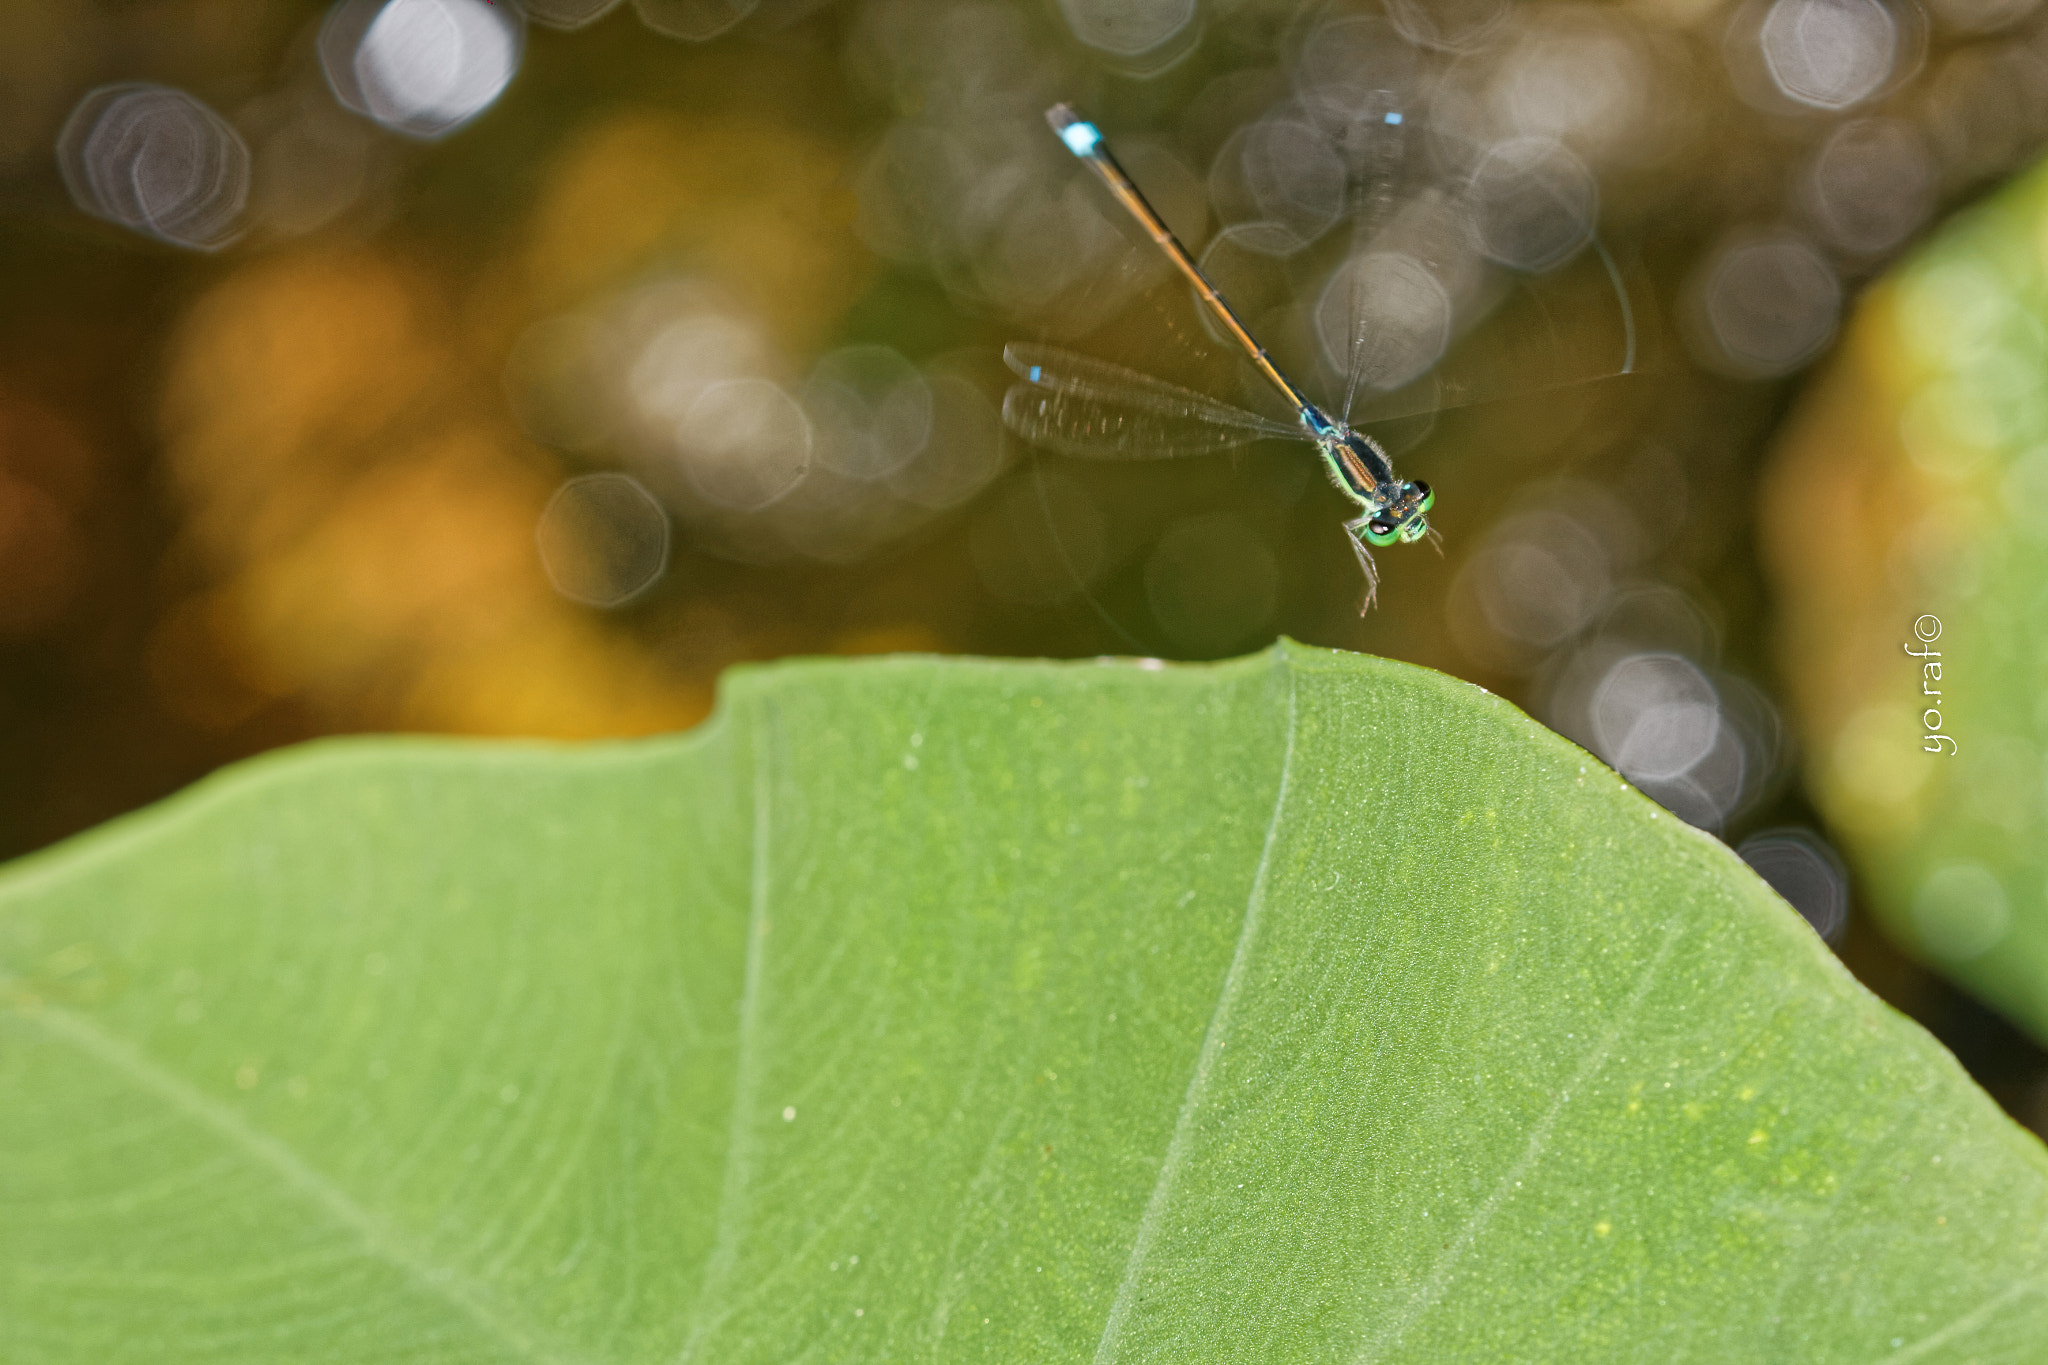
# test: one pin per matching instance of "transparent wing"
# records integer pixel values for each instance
(1547, 333)
(1102, 429)
(1077, 405)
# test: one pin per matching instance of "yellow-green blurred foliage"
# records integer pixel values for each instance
(1913, 487)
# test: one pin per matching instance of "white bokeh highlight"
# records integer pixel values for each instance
(421, 67)
(1829, 54)
(603, 539)
(157, 161)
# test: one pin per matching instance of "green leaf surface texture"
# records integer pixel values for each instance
(1305, 1008)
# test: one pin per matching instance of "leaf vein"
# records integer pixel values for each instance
(376, 1235)
(1177, 1146)
(1446, 1266)
(1967, 1322)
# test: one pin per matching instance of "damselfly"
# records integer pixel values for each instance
(1078, 405)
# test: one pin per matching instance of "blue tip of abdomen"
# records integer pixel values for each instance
(1078, 133)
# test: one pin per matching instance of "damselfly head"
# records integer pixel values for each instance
(1404, 517)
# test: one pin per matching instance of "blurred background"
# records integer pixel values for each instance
(475, 367)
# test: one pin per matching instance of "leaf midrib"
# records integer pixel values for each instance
(724, 1255)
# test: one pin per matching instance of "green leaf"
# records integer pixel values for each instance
(1304, 1008)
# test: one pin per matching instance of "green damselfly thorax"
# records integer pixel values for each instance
(1078, 405)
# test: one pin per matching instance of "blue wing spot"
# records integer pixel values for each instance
(1035, 372)
(1081, 138)
(1393, 118)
